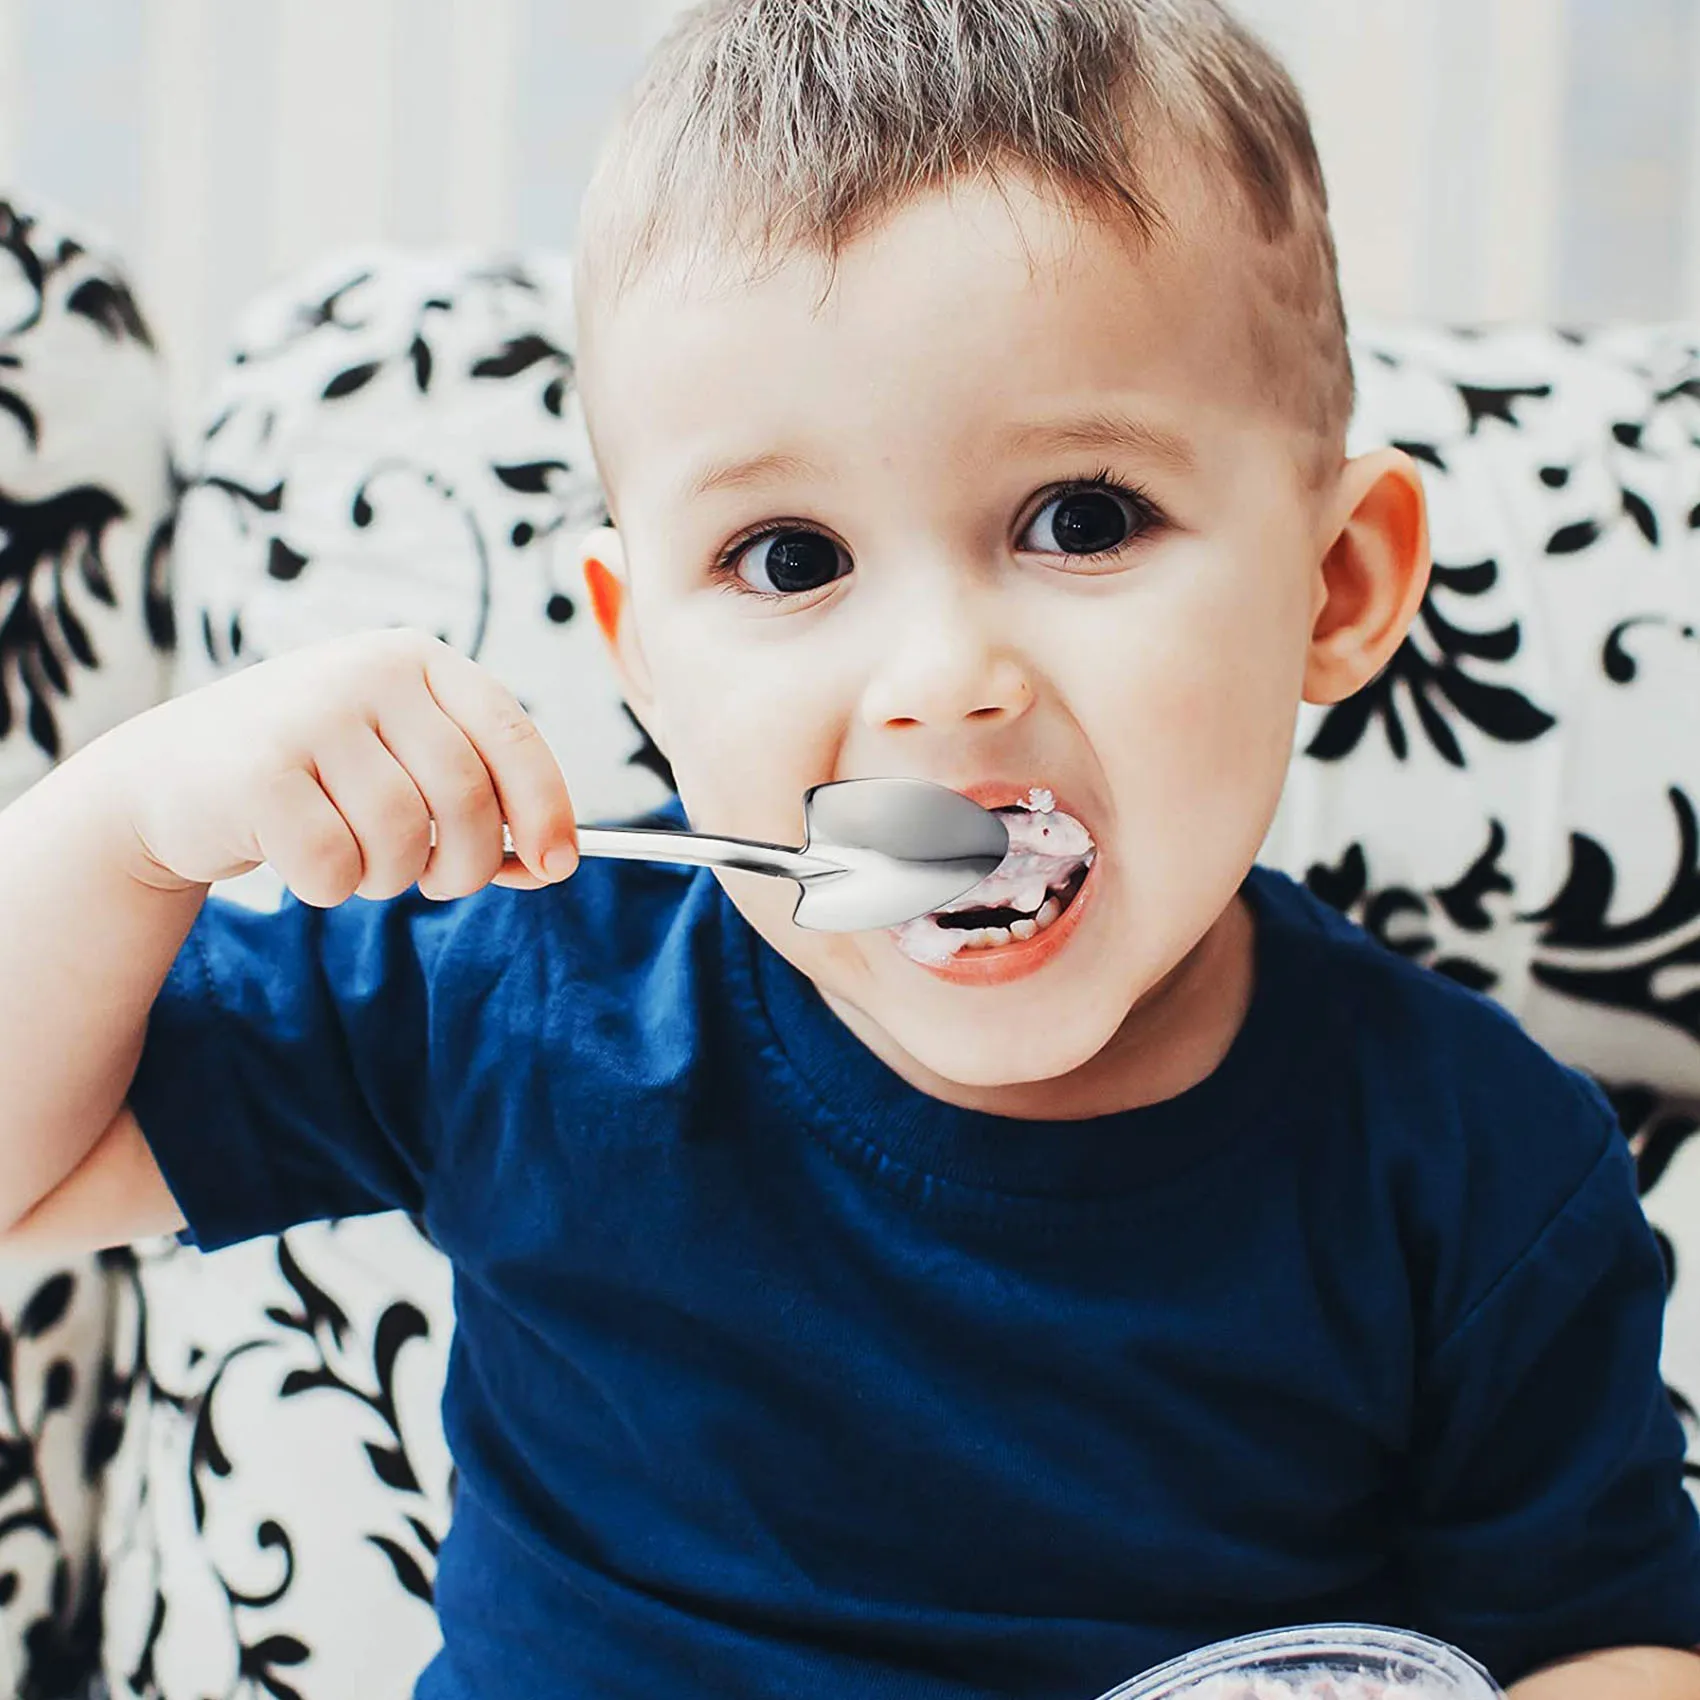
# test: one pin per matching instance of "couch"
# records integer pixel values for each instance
(224, 1475)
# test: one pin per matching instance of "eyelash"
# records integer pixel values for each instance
(725, 568)
(1149, 517)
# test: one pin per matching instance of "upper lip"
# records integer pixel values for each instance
(1001, 793)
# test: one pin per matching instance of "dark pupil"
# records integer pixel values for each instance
(1089, 523)
(801, 560)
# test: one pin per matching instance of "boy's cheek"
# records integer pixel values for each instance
(1192, 693)
(750, 728)
(742, 768)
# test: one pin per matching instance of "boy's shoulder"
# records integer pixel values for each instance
(1386, 1011)
(1489, 1138)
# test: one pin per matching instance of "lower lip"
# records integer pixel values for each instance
(998, 964)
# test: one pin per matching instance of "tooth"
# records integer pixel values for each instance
(1024, 929)
(1047, 915)
(995, 935)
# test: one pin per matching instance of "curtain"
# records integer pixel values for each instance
(1488, 159)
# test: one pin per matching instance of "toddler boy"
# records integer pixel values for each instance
(1004, 1303)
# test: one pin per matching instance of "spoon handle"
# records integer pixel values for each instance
(645, 844)
(696, 849)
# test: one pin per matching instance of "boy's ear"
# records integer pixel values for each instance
(1372, 574)
(602, 556)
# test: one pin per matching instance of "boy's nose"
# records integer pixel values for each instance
(941, 680)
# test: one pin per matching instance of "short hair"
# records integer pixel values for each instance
(773, 126)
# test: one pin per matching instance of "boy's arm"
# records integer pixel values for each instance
(360, 766)
(1619, 1673)
(85, 945)
(114, 1195)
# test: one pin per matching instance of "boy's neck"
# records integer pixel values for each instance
(1174, 1037)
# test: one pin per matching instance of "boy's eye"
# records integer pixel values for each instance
(787, 563)
(1084, 522)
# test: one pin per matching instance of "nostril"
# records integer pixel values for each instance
(985, 714)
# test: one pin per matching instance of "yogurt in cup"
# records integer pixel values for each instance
(1318, 1661)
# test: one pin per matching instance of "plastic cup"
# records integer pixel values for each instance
(1320, 1661)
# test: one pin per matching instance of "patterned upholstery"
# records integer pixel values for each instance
(1513, 802)
(85, 630)
(1514, 799)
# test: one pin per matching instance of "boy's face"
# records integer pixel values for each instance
(1001, 508)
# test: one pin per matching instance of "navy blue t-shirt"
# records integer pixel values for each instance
(773, 1376)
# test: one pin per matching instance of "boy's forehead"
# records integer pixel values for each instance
(976, 307)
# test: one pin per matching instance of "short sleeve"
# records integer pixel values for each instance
(284, 1077)
(1548, 1511)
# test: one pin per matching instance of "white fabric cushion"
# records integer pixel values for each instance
(85, 500)
(284, 1483)
(1515, 799)
(398, 441)
(61, 1415)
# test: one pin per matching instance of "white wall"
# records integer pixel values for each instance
(1488, 158)
(1506, 159)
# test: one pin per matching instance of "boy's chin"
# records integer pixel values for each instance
(987, 1053)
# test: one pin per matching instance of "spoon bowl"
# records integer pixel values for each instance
(906, 848)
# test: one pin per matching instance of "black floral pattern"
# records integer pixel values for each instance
(1649, 963)
(302, 1347)
(1641, 446)
(1573, 947)
(409, 354)
(59, 1635)
(85, 622)
(39, 257)
(1407, 921)
(53, 548)
(1431, 666)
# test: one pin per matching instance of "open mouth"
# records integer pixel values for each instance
(1050, 854)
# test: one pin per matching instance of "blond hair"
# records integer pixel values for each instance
(773, 126)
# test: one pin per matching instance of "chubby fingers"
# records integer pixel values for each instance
(383, 807)
(306, 839)
(520, 778)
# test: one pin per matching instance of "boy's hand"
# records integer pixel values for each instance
(1617, 1673)
(332, 764)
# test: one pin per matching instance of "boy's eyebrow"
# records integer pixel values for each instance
(1087, 431)
(738, 474)
(1094, 430)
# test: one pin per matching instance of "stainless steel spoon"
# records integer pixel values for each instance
(875, 852)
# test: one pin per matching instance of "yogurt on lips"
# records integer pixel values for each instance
(1048, 855)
